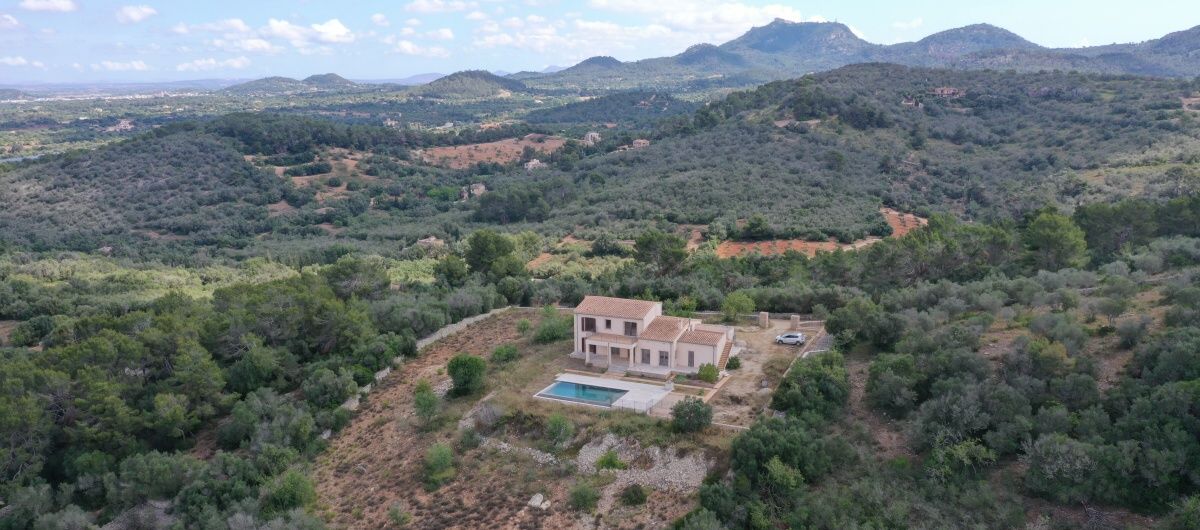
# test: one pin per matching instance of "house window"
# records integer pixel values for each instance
(663, 358)
(631, 329)
(592, 348)
(645, 356)
(607, 324)
(691, 359)
(616, 351)
(589, 324)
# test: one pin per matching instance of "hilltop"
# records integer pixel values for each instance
(470, 84)
(285, 85)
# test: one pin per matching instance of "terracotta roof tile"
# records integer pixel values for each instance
(614, 307)
(665, 329)
(707, 338)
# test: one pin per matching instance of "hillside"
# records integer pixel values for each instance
(469, 84)
(785, 49)
(817, 156)
(274, 86)
(179, 186)
(625, 108)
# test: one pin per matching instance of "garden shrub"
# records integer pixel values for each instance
(691, 415)
(467, 372)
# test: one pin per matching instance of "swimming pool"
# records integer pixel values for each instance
(592, 395)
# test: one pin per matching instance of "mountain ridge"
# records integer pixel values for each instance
(784, 49)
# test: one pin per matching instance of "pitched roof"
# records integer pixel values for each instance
(614, 307)
(665, 329)
(706, 338)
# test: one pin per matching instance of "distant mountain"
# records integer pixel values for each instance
(470, 84)
(553, 68)
(783, 49)
(412, 80)
(286, 85)
(329, 82)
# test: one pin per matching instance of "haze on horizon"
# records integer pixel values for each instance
(55, 41)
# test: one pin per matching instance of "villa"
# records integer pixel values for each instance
(633, 336)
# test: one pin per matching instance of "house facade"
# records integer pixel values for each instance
(633, 336)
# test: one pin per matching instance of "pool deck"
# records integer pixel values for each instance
(638, 397)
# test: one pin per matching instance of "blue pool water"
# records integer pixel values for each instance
(594, 395)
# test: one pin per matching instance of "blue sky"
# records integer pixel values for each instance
(153, 40)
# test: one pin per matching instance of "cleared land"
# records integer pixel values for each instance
(499, 152)
(901, 223)
(748, 392)
(376, 462)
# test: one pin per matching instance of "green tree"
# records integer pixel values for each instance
(818, 384)
(735, 305)
(757, 229)
(452, 271)
(691, 415)
(353, 276)
(467, 371)
(665, 252)
(290, 491)
(1054, 242)
(485, 247)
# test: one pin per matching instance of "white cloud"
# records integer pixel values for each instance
(8, 21)
(908, 24)
(477, 15)
(117, 66)
(61, 6)
(412, 22)
(440, 34)
(200, 65)
(20, 61)
(131, 14)
(407, 47)
(229, 25)
(249, 44)
(438, 6)
(304, 38)
(333, 31)
(381, 20)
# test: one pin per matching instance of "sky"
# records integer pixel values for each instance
(55, 41)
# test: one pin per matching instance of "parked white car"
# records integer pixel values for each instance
(791, 338)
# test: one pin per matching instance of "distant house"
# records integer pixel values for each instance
(640, 143)
(948, 92)
(534, 164)
(431, 241)
(591, 138)
(474, 190)
(633, 336)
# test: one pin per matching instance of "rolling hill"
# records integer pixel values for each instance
(469, 84)
(286, 85)
(783, 49)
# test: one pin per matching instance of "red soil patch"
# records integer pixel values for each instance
(279, 208)
(901, 223)
(540, 260)
(503, 151)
